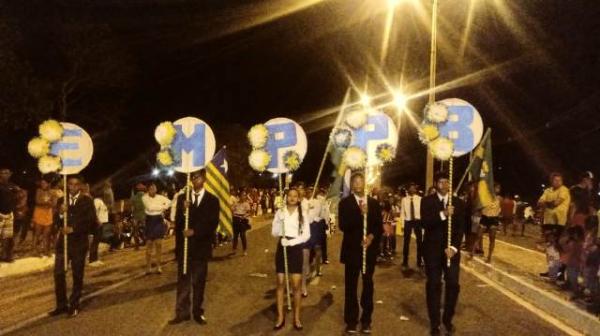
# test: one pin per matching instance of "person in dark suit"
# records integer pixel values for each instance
(351, 216)
(435, 212)
(203, 221)
(81, 218)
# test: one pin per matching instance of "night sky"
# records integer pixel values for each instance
(533, 65)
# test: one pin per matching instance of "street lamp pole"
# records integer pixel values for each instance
(432, 75)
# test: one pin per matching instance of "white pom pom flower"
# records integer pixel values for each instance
(355, 158)
(442, 148)
(357, 119)
(436, 113)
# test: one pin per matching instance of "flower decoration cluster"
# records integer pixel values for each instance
(50, 132)
(165, 135)
(259, 159)
(441, 147)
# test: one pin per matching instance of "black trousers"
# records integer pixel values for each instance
(351, 309)
(239, 231)
(435, 268)
(21, 228)
(409, 227)
(76, 255)
(191, 284)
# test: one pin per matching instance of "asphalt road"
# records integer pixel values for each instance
(240, 300)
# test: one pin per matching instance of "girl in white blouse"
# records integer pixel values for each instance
(289, 225)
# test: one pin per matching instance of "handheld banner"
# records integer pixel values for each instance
(464, 126)
(193, 146)
(378, 130)
(75, 149)
(285, 136)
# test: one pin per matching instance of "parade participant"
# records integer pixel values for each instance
(289, 226)
(81, 219)
(138, 214)
(22, 223)
(317, 213)
(241, 209)
(43, 217)
(490, 219)
(435, 212)
(155, 205)
(351, 219)
(307, 248)
(411, 211)
(203, 221)
(7, 210)
(101, 220)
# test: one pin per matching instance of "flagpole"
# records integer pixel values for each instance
(285, 259)
(450, 176)
(365, 214)
(330, 141)
(483, 140)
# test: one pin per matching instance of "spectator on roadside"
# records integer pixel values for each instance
(138, 214)
(555, 203)
(571, 244)
(43, 215)
(7, 209)
(592, 261)
(490, 219)
(507, 214)
(581, 200)
(96, 232)
(22, 222)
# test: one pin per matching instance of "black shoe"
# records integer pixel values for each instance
(545, 275)
(178, 320)
(366, 329)
(298, 327)
(73, 312)
(351, 330)
(201, 320)
(279, 326)
(58, 311)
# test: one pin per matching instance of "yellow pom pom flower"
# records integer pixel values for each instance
(164, 158)
(258, 136)
(259, 160)
(291, 160)
(428, 133)
(442, 148)
(385, 153)
(49, 164)
(38, 147)
(354, 158)
(165, 134)
(51, 130)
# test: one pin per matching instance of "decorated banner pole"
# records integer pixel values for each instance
(451, 128)
(187, 220)
(365, 215)
(285, 258)
(65, 220)
(64, 149)
(186, 145)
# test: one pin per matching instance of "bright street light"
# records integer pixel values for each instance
(365, 100)
(400, 100)
(155, 172)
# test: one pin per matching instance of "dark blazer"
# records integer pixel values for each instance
(81, 217)
(436, 230)
(204, 220)
(350, 221)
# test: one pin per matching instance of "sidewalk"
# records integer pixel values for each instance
(517, 269)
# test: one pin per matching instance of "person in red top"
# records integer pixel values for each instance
(507, 214)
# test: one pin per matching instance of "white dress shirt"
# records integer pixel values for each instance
(317, 209)
(406, 207)
(101, 210)
(286, 224)
(155, 206)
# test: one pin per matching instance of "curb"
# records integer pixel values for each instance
(557, 307)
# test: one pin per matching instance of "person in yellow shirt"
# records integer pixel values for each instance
(555, 202)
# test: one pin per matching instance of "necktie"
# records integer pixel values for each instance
(412, 209)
